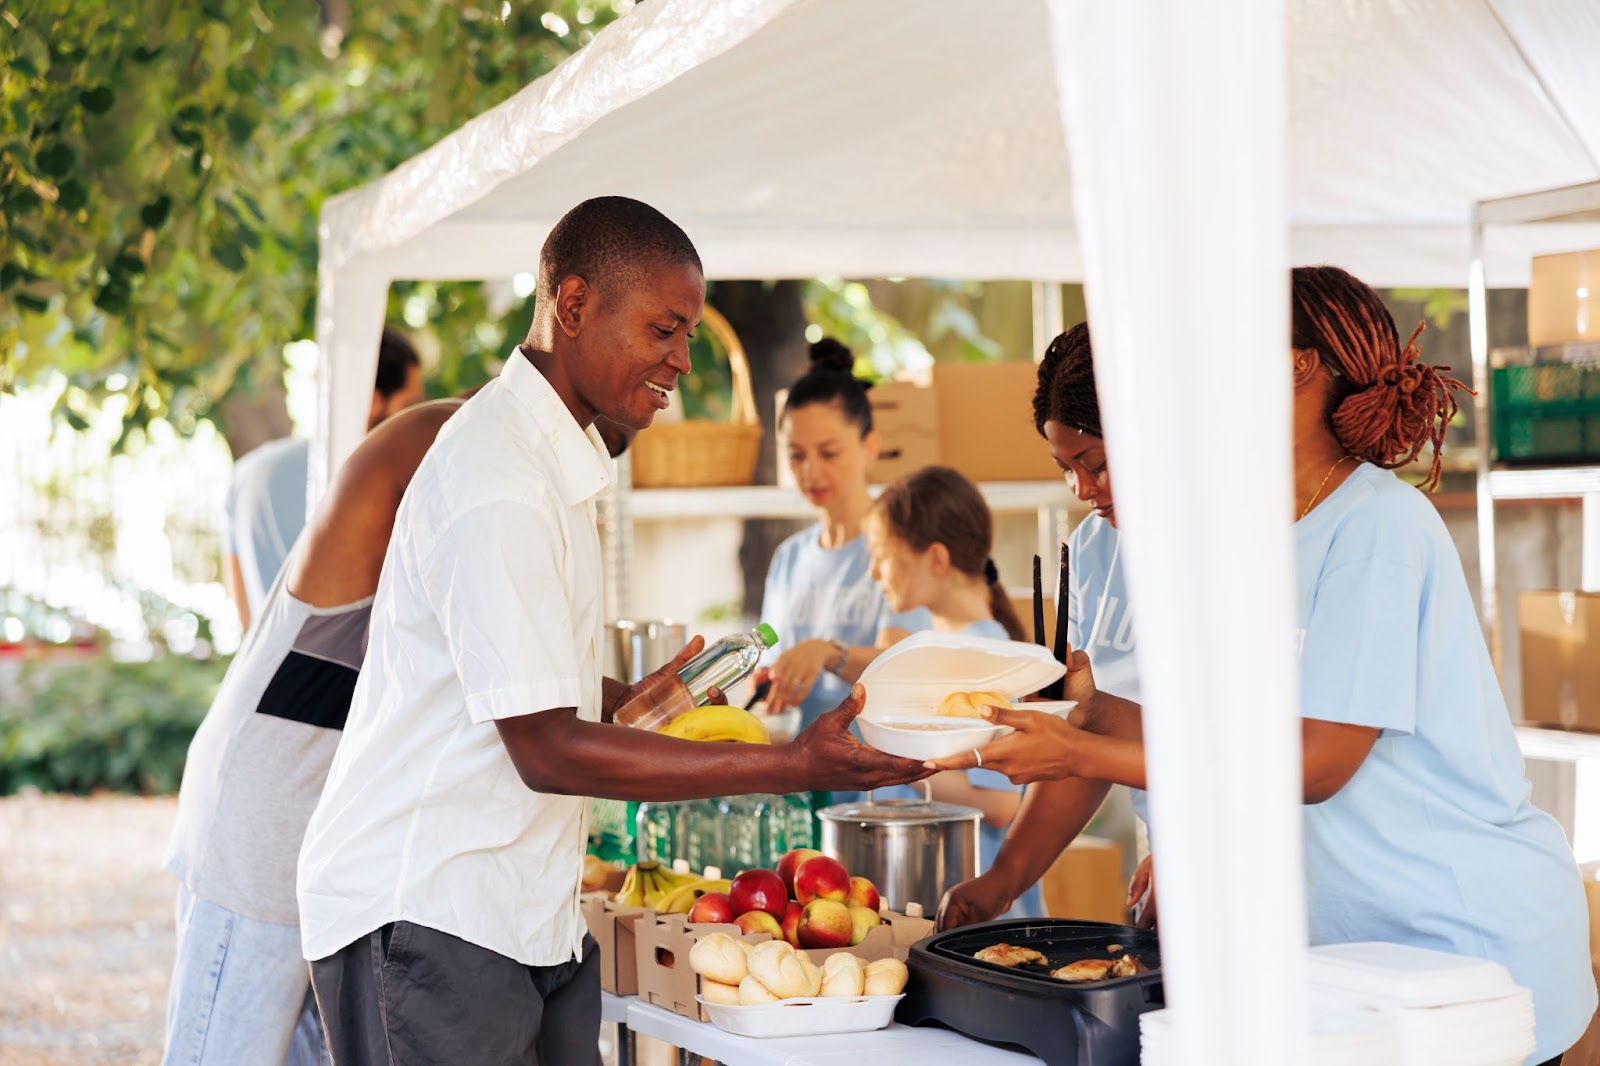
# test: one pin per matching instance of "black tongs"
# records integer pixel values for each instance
(1056, 689)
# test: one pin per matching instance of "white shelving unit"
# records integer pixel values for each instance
(1558, 783)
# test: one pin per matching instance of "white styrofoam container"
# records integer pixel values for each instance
(910, 679)
(1387, 976)
(809, 1016)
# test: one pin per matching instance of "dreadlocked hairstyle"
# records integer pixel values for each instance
(1065, 392)
(1386, 403)
(938, 505)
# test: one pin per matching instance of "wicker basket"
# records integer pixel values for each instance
(698, 452)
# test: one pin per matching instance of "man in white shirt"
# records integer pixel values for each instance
(439, 879)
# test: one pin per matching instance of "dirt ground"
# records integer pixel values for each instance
(85, 930)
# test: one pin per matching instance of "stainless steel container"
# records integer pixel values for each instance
(633, 649)
(912, 850)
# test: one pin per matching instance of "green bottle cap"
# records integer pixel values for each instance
(768, 635)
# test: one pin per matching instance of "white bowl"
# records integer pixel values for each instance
(805, 1017)
(936, 737)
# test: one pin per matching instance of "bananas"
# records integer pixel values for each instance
(681, 899)
(718, 722)
(650, 884)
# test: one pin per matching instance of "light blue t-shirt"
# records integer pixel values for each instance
(825, 593)
(266, 510)
(1433, 842)
(1031, 903)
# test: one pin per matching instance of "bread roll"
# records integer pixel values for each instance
(970, 704)
(774, 964)
(719, 958)
(753, 993)
(813, 974)
(886, 977)
(843, 974)
(717, 992)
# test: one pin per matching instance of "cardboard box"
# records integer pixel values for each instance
(612, 926)
(1024, 608)
(663, 942)
(1086, 882)
(906, 417)
(1560, 634)
(1564, 299)
(986, 422)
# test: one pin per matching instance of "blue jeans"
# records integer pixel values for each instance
(240, 992)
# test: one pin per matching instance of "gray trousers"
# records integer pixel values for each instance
(407, 995)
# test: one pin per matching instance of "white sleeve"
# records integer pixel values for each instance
(494, 579)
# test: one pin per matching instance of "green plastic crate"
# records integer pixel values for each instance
(1547, 412)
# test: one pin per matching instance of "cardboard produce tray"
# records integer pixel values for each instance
(662, 944)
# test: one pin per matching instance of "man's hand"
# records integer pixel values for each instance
(796, 671)
(647, 688)
(982, 899)
(835, 760)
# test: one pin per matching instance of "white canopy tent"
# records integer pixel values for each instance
(799, 137)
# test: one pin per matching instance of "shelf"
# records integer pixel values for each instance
(773, 501)
(1557, 744)
(1544, 482)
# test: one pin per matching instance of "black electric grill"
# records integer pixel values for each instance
(1063, 1023)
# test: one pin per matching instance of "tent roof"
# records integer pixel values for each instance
(807, 137)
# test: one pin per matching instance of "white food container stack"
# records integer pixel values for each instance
(1394, 1005)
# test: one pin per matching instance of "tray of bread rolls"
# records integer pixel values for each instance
(1070, 992)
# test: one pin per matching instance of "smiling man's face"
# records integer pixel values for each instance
(634, 342)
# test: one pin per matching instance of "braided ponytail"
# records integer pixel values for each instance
(1386, 402)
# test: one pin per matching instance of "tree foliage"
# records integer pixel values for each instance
(163, 163)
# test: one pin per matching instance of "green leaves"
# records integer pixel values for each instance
(154, 214)
(98, 100)
(55, 161)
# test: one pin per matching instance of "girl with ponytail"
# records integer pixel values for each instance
(930, 535)
(1417, 824)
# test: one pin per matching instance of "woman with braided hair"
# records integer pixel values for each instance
(1418, 827)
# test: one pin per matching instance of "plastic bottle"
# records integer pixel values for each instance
(721, 666)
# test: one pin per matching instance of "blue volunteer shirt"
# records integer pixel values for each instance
(1434, 841)
(824, 593)
(266, 510)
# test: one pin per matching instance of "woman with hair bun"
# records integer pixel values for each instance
(831, 617)
(1417, 823)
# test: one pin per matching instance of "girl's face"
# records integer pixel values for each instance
(908, 577)
(828, 454)
(1082, 459)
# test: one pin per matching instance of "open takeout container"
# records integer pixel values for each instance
(908, 681)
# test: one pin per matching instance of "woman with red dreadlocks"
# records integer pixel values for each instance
(1417, 823)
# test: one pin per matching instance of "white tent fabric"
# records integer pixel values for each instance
(803, 137)
(793, 138)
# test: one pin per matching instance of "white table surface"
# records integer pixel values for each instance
(615, 1008)
(898, 1045)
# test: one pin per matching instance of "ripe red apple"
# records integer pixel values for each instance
(712, 907)
(759, 890)
(824, 923)
(861, 922)
(791, 924)
(863, 893)
(820, 877)
(759, 922)
(790, 862)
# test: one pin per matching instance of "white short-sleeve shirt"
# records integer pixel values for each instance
(489, 607)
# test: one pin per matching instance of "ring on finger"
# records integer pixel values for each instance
(976, 754)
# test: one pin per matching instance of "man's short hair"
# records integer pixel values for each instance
(395, 358)
(610, 240)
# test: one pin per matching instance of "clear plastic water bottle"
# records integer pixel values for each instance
(727, 662)
(721, 666)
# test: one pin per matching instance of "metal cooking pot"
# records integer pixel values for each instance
(633, 649)
(913, 850)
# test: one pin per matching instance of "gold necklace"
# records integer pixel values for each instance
(1313, 501)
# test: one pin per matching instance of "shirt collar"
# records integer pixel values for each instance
(585, 468)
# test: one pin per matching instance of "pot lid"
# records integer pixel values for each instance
(898, 812)
(915, 674)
